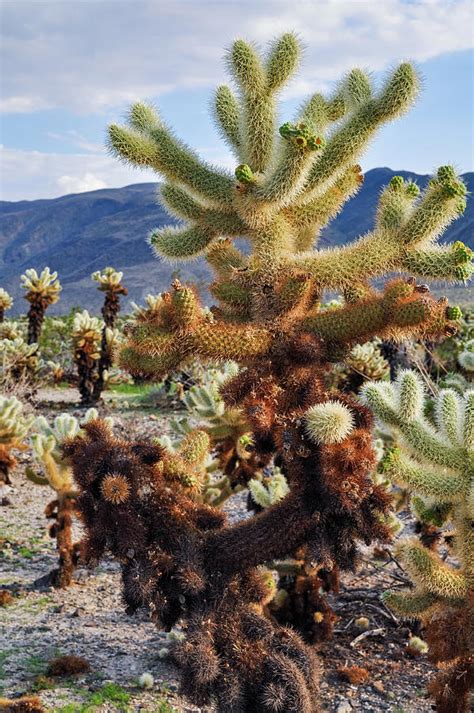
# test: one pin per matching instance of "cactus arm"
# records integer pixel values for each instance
(180, 203)
(346, 144)
(309, 218)
(444, 487)
(427, 569)
(442, 202)
(233, 341)
(258, 106)
(160, 150)
(181, 243)
(452, 263)
(227, 116)
(409, 604)
(282, 61)
(225, 258)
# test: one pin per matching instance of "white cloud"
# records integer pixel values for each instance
(87, 56)
(28, 175)
(80, 184)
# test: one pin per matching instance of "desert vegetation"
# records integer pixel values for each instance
(282, 480)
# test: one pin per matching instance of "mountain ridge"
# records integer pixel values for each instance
(78, 233)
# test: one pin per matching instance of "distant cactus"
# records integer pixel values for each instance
(268, 318)
(42, 290)
(10, 330)
(6, 302)
(110, 283)
(56, 472)
(20, 362)
(14, 427)
(437, 464)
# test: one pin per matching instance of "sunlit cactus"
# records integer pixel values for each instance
(41, 291)
(436, 462)
(10, 330)
(46, 443)
(86, 337)
(466, 357)
(6, 302)
(289, 181)
(14, 427)
(19, 362)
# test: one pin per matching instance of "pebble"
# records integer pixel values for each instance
(344, 707)
(378, 685)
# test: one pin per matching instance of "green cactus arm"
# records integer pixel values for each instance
(179, 203)
(445, 487)
(449, 415)
(410, 604)
(395, 204)
(468, 425)
(347, 143)
(314, 112)
(137, 362)
(225, 258)
(181, 243)
(309, 218)
(373, 317)
(429, 446)
(380, 398)
(357, 89)
(227, 116)
(442, 202)
(452, 263)
(233, 341)
(429, 572)
(160, 150)
(369, 256)
(258, 105)
(282, 61)
(289, 175)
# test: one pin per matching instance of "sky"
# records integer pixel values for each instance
(70, 67)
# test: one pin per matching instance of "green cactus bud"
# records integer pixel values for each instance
(397, 183)
(244, 174)
(453, 312)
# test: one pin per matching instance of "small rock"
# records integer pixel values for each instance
(378, 685)
(344, 707)
(78, 612)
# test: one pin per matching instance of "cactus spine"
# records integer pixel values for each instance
(436, 462)
(42, 290)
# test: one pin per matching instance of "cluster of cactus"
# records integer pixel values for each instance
(363, 362)
(6, 302)
(20, 362)
(179, 558)
(14, 427)
(110, 282)
(435, 461)
(46, 444)
(90, 337)
(41, 291)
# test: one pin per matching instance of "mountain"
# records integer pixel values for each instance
(79, 233)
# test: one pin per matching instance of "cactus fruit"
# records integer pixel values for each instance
(268, 319)
(6, 302)
(436, 463)
(42, 290)
(14, 427)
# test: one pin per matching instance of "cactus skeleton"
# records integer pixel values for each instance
(436, 462)
(286, 187)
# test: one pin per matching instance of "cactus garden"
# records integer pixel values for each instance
(254, 495)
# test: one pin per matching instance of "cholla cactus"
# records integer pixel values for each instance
(14, 426)
(10, 330)
(56, 472)
(286, 187)
(86, 341)
(110, 283)
(6, 302)
(42, 290)
(466, 357)
(20, 361)
(437, 464)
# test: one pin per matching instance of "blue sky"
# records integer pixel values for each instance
(69, 67)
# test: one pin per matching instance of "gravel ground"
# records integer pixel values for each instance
(88, 620)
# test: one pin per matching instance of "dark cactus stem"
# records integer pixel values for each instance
(396, 355)
(2, 314)
(110, 310)
(7, 462)
(62, 510)
(36, 317)
(86, 371)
